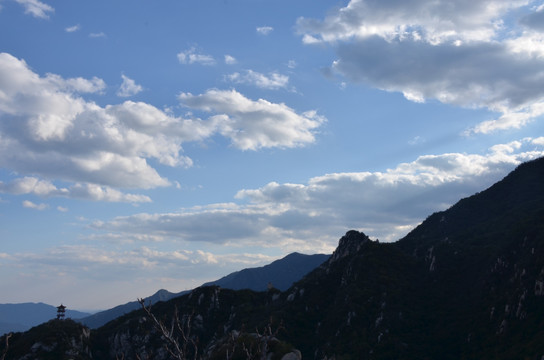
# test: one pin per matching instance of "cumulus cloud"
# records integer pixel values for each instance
(36, 8)
(230, 60)
(97, 35)
(48, 130)
(191, 57)
(46, 189)
(79, 85)
(30, 185)
(95, 192)
(128, 87)
(252, 125)
(434, 22)
(312, 216)
(265, 30)
(72, 28)
(534, 20)
(216, 224)
(30, 205)
(441, 50)
(273, 81)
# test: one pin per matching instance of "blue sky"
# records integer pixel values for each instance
(148, 145)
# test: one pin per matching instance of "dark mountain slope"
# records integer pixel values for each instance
(52, 340)
(281, 273)
(100, 318)
(514, 203)
(363, 301)
(489, 250)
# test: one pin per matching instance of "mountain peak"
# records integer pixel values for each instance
(349, 244)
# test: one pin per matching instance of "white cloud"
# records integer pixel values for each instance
(78, 85)
(265, 30)
(230, 60)
(441, 50)
(416, 140)
(29, 185)
(62, 209)
(217, 224)
(128, 87)
(529, 44)
(72, 28)
(97, 35)
(30, 205)
(434, 22)
(539, 141)
(509, 120)
(36, 8)
(191, 57)
(48, 130)
(43, 188)
(104, 193)
(273, 81)
(310, 217)
(255, 124)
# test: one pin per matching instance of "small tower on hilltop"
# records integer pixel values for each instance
(61, 312)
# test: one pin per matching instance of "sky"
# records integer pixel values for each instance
(150, 145)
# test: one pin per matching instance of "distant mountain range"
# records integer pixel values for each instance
(468, 283)
(281, 274)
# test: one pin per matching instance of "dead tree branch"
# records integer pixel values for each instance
(8, 336)
(176, 345)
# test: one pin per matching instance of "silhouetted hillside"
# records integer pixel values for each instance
(21, 317)
(281, 273)
(100, 318)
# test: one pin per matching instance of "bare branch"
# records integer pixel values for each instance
(8, 336)
(174, 347)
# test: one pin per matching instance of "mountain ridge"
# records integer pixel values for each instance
(280, 273)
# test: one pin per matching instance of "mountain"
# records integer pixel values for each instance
(100, 318)
(468, 283)
(281, 274)
(21, 317)
(52, 340)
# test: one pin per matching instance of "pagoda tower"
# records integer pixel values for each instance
(61, 312)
